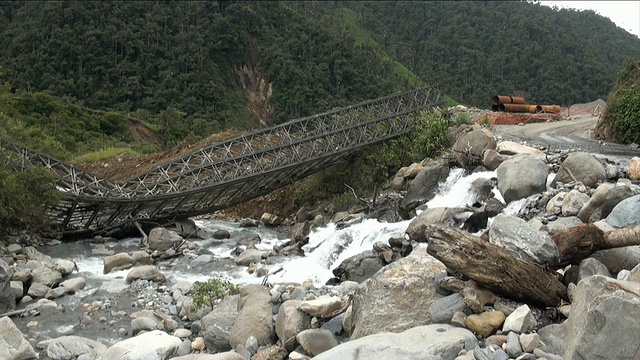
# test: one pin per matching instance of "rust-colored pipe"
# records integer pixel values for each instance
(494, 107)
(548, 108)
(516, 108)
(532, 108)
(499, 99)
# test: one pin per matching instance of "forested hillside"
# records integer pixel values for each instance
(194, 68)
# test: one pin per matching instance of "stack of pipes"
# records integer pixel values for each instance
(516, 104)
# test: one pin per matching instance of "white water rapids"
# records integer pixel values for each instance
(328, 246)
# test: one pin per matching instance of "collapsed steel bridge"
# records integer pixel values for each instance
(226, 173)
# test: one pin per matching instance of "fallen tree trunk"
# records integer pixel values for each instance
(494, 267)
(577, 243)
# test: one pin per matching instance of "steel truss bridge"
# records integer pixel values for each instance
(226, 173)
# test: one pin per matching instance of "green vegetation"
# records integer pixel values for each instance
(24, 197)
(103, 154)
(621, 118)
(210, 292)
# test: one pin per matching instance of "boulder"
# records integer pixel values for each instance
(271, 219)
(481, 190)
(73, 285)
(17, 289)
(13, 344)
(425, 186)
(589, 267)
(70, 347)
(554, 336)
(594, 202)
(64, 267)
(573, 202)
(155, 344)
(468, 149)
(613, 197)
(316, 341)
(436, 215)
(521, 176)
(436, 341)
(33, 254)
(486, 323)
(625, 214)
(513, 148)
(145, 272)
(582, 167)
(518, 237)
(7, 295)
(201, 260)
(247, 238)
(116, 262)
(603, 323)
(359, 267)
(45, 276)
(290, 322)
(255, 312)
(491, 159)
(299, 231)
(634, 168)
(248, 257)
(114, 286)
(38, 290)
(321, 306)
(521, 320)
(623, 258)
(217, 324)
(141, 257)
(221, 234)
(441, 311)
(162, 239)
(398, 296)
(562, 223)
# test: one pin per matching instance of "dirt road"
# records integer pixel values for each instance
(566, 134)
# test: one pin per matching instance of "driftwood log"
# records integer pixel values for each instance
(494, 267)
(577, 243)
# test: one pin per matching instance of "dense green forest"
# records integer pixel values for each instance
(621, 119)
(200, 67)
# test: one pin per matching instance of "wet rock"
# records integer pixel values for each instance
(70, 347)
(64, 267)
(491, 159)
(299, 231)
(245, 223)
(520, 321)
(582, 167)
(625, 214)
(316, 341)
(254, 317)
(634, 168)
(441, 311)
(151, 345)
(201, 260)
(521, 176)
(141, 258)
(360, 267)
(162, 239)
(481, 190)
(485, 324)
(247, 238)
(291, 321)
(603, 321)
(468, 149)
(512, 148)
(46, 276)
(217, 324)
(321, 306)
(445, 342)
(517, 236)
(397, 297)
(424, 187)
(13, 344)
(436, 215)
(116, 262)
(249, 256)
(221, 234)
(573, 202)
(271, 219)
(624, 258)
(145, 272)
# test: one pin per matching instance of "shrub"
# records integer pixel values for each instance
(210, 292)
(621, 118)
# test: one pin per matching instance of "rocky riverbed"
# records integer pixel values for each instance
(132, 299)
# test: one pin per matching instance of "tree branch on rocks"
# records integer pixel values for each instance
(365, 202)
(494, 267)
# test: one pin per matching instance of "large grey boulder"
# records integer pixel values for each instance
(589, 267)
(513, 148)
(582, 167)
(153, 345)
(573, 202)
(613, 197)
(521, 176)
(70, 347)
(254, 318)
(554, 336)
(359, 267)
(521, 239)
(468, 149)
(117, 262)
(217, 324)
(316, 341)
(603, 323)
(145, 272)
(430, 216)
(425, 185)
(249, 256)
(290, 322)
(64, 267)
(45, 276)
(624, 258)
(437, 341)
(441, 311)
(74, 284)
(162, 239)
(14, 345)
(398, 296)
(7, 296)
(596, 200)
(560, 224)
(33, 254)
(626, 213)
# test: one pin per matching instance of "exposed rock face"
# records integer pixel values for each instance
(217, 324)
(290, 322)
(155, 344)
(360, 267)
(625, 214)
(13, 345)
(162, 239)
(521, 176)
(436, 341)
(517, 236)
(603, 323)
(468, 149)
(424, 187)
(582, 167)
(397, 297)
(254, 318)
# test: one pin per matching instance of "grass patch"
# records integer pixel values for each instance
(104, 154)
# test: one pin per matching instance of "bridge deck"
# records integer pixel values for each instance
(225, 173)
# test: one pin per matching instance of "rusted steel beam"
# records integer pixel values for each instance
(500, 99)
